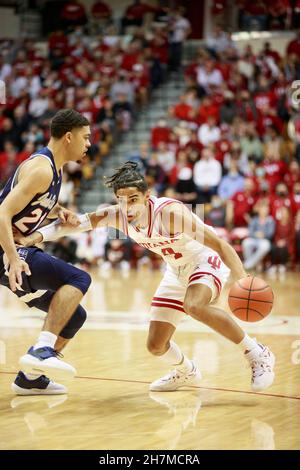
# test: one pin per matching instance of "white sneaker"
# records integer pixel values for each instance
(43, 361)
(272, 271)
(39, 386)
(262, 365)
(282, 269)
(176, 379)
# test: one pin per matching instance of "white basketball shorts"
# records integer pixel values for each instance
(207, 269)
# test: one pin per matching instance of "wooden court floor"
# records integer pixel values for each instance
(109, 405)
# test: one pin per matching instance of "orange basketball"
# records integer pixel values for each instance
(251, 299)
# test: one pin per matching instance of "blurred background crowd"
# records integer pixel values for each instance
(229, 142)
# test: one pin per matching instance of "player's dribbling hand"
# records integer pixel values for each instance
(16, 268)
(68, 217)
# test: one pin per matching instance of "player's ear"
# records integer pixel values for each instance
(147, 194)
(68, 136)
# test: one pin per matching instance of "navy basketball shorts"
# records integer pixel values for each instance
(48, 274)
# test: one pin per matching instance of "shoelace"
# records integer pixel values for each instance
(58, 354)
(259, 367)
(174, 374)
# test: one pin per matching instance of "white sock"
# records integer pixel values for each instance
(249, 344)
(46, 339)
(175, 357)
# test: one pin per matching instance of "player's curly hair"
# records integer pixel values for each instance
(126, 176)
(65, 120)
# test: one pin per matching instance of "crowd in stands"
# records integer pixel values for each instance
(260, 15)
(227, 146)
(224, 144)
(101, 76)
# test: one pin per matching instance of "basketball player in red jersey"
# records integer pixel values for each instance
(198, 266)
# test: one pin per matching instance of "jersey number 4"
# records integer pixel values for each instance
(170, 251)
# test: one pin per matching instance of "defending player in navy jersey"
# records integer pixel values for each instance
(29, 198)
(198, 266)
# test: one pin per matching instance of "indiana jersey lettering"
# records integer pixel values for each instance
(176, 251)
(31, 217)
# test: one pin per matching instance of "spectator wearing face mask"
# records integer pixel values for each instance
(282, 198)
(232, 182)
(217, 214)
(258, 244)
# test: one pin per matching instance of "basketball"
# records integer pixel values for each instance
(251, 299)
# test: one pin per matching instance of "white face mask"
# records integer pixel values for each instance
(185, 174)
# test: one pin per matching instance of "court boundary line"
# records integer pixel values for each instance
(218, 389)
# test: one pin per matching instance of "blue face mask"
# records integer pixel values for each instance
(260, 172)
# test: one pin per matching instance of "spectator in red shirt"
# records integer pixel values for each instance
(283, 247)
(282, 198)
(240, 206)
(182, 110)
(73, 14)
(268, 117)
(280, 86)
(159, 47)
(254, 14)
(292, 176)
(246, 108)
(193, 145)
(26, 152)
(134, 14)
(131, 56)
(264, 96)
(160, 133)
(101, 11)
(206, 109)
(296, 197)
(8, 160)
(293, 47)
(275, 170)
(279, 13)
(58, 40)
(267, 51)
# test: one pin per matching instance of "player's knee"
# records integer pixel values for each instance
(74, 324)
(195, 308)
(81, 280)
(156, 347)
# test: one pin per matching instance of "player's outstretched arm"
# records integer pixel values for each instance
(106, 217)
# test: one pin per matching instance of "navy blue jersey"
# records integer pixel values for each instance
(31, 217)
